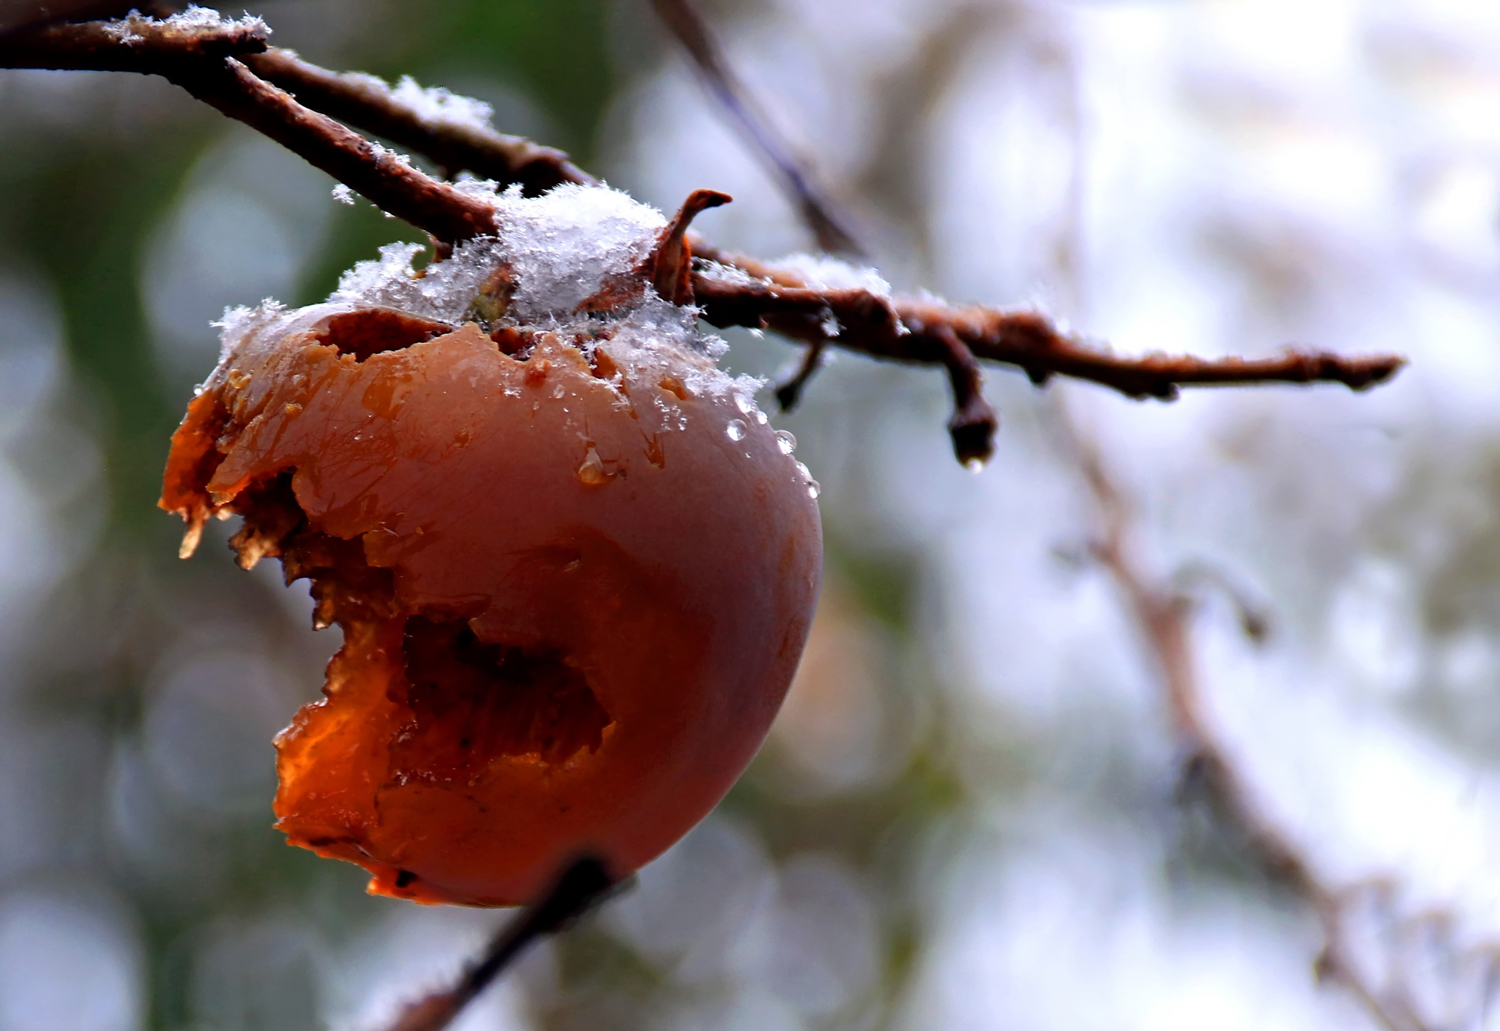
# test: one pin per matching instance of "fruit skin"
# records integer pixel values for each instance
(644, 580)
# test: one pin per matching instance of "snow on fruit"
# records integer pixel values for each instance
(573, 564)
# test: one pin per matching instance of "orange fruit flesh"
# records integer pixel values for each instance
(571, 605)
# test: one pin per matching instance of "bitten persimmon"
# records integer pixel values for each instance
(573, 564)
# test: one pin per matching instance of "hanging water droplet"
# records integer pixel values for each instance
(975, 465)
(813, 488)
(786, 442)
(736, 429)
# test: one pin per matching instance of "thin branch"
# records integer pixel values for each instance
(731, 290)
(746, 292)
(789, 391)
(689, 28)
(23, 15)
(133, 44)
(582, 886)
(1162, 614)
(370, 104)
(973, 423)
(381, 175)
(193, 59)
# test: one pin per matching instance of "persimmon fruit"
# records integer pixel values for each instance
(573, 565)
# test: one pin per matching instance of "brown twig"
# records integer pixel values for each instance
(1163, 616)
(913, 330)
(132, 44)
(973, 423)
(381, 175)
(789, 390)
(752, 293)
(692, 32)
(24, 15)
(370, 104)
(193, 58)
(582, 886)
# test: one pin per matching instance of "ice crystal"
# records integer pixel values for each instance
(565, 243)
(559, 249)
(193, 20)
(824, 273)
(435, 105)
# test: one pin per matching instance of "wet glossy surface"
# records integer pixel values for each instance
(570, 608)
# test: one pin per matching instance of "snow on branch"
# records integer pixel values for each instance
(228, 65)
(192, 50)
(420, 121)
(733, 290)
(134, 43)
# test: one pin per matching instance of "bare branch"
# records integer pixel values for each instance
(1163, 617)
(381, 175)
(747, 292)
(789, 392)
(368, 103)
(692, 32)
(740, 291)
(582, 886)
(973, 423)
(133, 44)
(192, 59)
(22, 15)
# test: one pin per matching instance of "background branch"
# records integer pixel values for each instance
(793, 171)
(1163, 617)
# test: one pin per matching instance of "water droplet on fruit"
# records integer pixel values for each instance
(786, 442)
(736, 429)
(592, 471)
(812, 485)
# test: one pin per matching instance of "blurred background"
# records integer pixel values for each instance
(968, 815)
